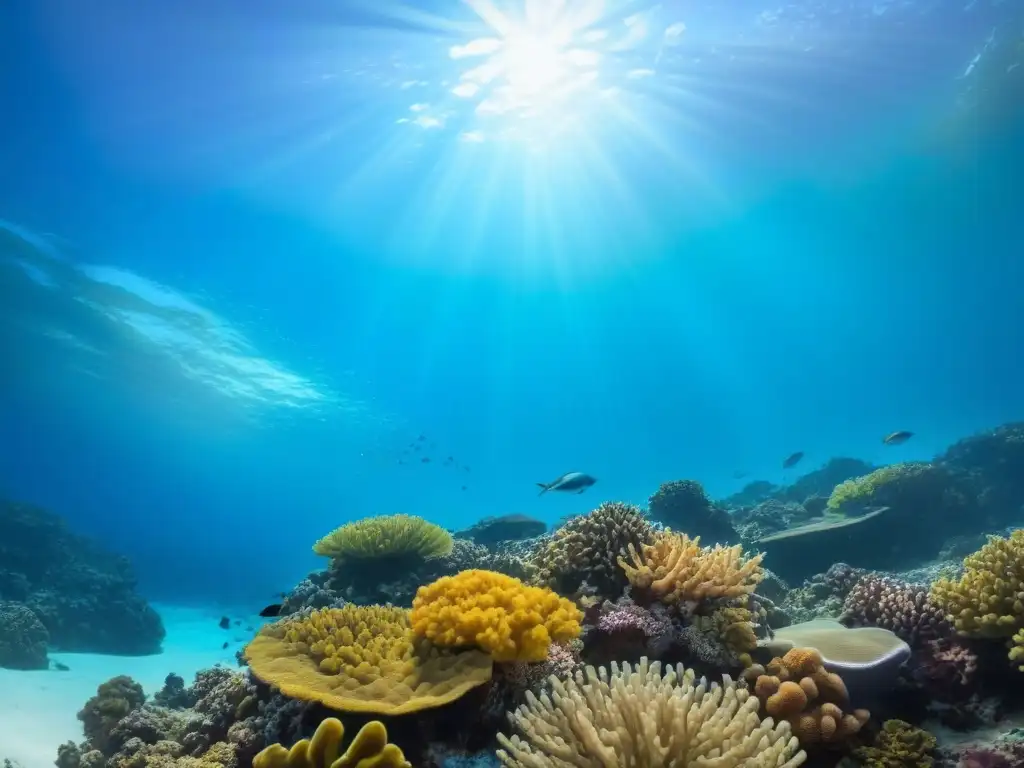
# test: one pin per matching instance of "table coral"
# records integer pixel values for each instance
(642, 716)
(675, 569)
(988, 599)
(496, 613)
(369, 749)
(363, 659)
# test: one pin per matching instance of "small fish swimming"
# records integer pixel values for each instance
(223, 647)
(570, 481)
(224, 623)
(897, 438)
(271, 611)
(792, 460)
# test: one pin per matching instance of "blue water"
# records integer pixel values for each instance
(272, 249)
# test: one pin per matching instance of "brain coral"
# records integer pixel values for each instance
(675, 569)
(582, 555)
(640, 717)
(362, 659)
(494, 612)
(369, 749)
(988, 600)
(385, 537)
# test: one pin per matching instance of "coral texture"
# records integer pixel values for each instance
(496, 613)
(685, 506)
(640, 716)
(362, 659)
(369, 749)
(906, 609)
(23, 638)
(582, 555)
(865, 487)
(385, 537)
(676, 569)
(898, 745)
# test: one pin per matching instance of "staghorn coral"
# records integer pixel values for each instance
(906, 609)
(385, 537)
(642, 717)
(581, 557)
(369, 749)
(799, 690)
(496, 613)
(362, 659)
(988, 599)
(675, 569)
(898, 745)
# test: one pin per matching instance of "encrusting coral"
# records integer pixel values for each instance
(987, 601)
(369, 749)
(363, 659)
(862, 488)
(642, 717)
(898, 745)
(675, 569)
(385, 537)
(496, 613)
(582, 555)
(799, 690)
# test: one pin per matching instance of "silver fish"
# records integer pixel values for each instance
(570, 481)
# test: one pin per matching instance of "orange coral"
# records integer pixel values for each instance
(797, 688)
(676, 569)
(494, 612)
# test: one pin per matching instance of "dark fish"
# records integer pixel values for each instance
(425, 460)
(271, 610)
(570, 481)
(224, 646)
(225, 622)
(792, 460)
(897, 438)
(61, 667)
(238, 622)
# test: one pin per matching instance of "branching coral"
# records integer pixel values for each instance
(988, 600)
(385, 537)
(582, 556)
(496, 613)
(642, 717)
(675, 569)
(362, 659)
(369, 749)
(798, 689)
(898, 745)
(906, 609)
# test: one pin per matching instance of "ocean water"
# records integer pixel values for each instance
(252, 252)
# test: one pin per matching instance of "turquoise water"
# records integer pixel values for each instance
(260, 250)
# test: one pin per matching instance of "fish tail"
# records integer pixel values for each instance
(544, 488)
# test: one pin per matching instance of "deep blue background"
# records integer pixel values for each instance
(846, 262)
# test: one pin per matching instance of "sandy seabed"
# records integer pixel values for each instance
(38, 709)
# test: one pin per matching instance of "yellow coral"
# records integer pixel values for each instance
(362, 659)
(676, 569)
(385, 537)
(898, 745)
(369, 749)
(495, 612)
(988, 599)
(642, 717)
(863, 487)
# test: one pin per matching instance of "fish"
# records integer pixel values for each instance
(570, 481)
(224, 623)
(224, 646)
(897, 438)
(792, 460)
(274, 609)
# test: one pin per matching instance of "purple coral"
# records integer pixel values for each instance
(903, 608)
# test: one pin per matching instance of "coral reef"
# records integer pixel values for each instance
(83, 596)
(363, 659)
(642, 716)
(23, 638)
(494, 531)
(906, 609)
(496, 613)
(684, 506)
(898, 745)
(581, 557)
(369, 749)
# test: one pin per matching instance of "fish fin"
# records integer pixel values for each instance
(544, 488)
